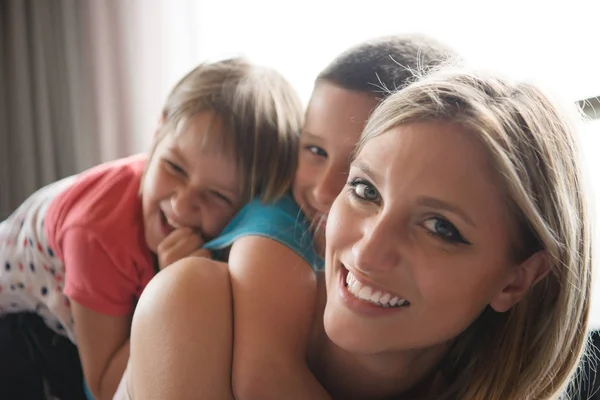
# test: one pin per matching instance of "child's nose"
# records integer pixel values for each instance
(185, 204)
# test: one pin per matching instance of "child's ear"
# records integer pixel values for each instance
(524, 277)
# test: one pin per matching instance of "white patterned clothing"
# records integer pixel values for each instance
(82, 240)
(31, 277)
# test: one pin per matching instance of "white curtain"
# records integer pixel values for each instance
(44, 97)
(81, 82)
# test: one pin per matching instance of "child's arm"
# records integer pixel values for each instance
(103, 343)
(101, 282)
(181, 337)
(274, 293)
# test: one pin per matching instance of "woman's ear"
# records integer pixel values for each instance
(524, 276)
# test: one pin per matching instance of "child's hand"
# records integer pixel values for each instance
(180, 243)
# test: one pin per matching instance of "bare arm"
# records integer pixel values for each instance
(274, 293)
(103, 343)
(101, 286)
(181, 336)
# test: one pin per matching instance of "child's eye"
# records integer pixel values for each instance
(363, 190)
(173, 167)
(222, 198)
(444, 229)
(316, 150)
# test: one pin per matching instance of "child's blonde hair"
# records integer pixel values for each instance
(262, 115)
(531, 351)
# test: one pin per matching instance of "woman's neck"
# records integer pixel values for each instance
(356, 376)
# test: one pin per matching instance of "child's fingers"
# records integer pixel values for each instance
(175, 237)
(202, 253)
(187, 245)
(176, 250)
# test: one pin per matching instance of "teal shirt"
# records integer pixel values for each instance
(282, 221)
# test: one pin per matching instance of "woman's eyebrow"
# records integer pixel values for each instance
(365, 169)
(443, 205)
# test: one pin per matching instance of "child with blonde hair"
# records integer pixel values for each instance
(80, 252)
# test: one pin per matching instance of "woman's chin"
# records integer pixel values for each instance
(348, 336)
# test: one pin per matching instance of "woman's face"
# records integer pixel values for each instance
(417, 243)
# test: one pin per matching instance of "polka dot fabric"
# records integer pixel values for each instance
(31, 277)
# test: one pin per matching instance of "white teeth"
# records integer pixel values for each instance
(376, 296)
(367, 293)
(350, 279)
(385, 298)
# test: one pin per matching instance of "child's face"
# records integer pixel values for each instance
(191, 181)
(335, 118)
(421, 224)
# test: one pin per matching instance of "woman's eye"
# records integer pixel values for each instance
(444, 229)
(316, 150)
(364, 190)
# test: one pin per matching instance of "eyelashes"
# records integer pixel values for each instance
(363, 190)
(316, 150)
(221, 197)
(436, 226)
(176, 170)
(444, 229)
(173, 167)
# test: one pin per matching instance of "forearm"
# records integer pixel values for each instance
(123, 390)
(111, 377)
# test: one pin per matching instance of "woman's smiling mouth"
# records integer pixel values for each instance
(357, 290)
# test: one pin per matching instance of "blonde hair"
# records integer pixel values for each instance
(531, 351)
(262, 115)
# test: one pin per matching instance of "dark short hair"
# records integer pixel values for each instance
(385, 64)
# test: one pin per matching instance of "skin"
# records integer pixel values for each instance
(422, 219)
(381, 229)
(192, 182)
(335, 118)
(190, 191)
